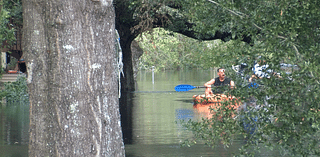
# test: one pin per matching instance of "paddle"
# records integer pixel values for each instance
(186, 87)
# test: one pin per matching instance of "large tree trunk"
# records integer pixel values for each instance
(70, 52)
(127, 81)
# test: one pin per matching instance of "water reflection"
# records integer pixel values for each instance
(126, 105)
(203, 110)
(14, 123)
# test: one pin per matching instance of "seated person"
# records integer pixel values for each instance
(219, 81)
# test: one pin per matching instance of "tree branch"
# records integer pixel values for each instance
(183, 26)
(255, 25)
(231, 11)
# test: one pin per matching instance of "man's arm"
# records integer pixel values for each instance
(209, 83)
(232, 84)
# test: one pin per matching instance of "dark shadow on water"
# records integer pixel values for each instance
(185, 101)
(126, 105)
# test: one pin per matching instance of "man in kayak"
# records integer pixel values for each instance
(222, 80)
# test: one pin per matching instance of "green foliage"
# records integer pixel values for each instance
(13, 63)
(166, 50)
(16, 92)
(281, 32)
(10, 10)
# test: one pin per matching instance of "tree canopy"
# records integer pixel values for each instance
(10, 16)
(282, 33)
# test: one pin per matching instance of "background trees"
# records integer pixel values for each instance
(136, 16)
(10, 11)
(281, 32)
(166, 50)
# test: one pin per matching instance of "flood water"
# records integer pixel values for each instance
(14, 127)
(153, 128)
(150, 119)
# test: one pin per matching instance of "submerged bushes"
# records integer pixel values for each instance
(16, 92)
(166, 50)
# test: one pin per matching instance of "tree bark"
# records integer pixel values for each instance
(69, 48)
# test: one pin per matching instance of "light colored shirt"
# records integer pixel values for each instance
(261, 71)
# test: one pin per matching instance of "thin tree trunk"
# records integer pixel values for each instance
(72, 78)
(126, 37)
(127, 81)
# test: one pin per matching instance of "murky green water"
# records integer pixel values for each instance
(14, 127)
(150, 119)
(153, 128)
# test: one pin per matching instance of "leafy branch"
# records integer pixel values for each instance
(242, 15)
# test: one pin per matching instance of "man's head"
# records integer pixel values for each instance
(221, 73)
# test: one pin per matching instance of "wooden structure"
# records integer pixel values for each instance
(9, 77)
(15, 50)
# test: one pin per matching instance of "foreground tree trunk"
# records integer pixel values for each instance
(72, 79)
